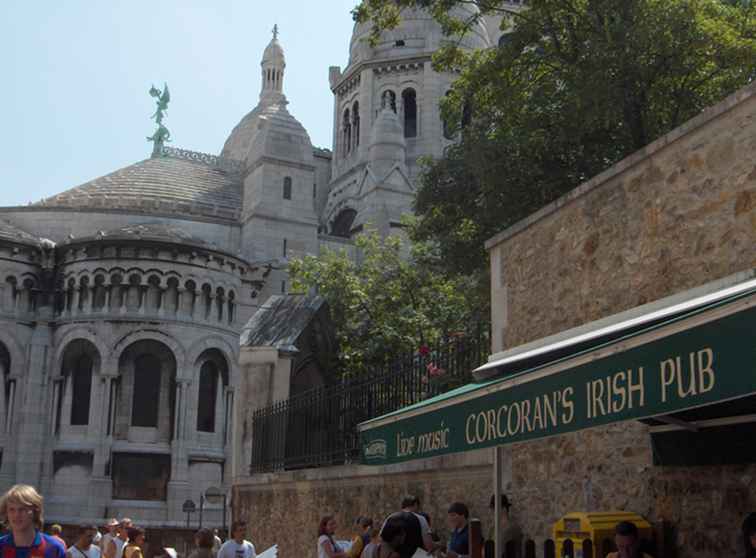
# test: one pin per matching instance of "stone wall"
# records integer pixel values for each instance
(676, 215)
(285, 508)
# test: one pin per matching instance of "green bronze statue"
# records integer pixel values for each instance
(161, 135)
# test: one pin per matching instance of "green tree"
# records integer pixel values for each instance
(576, 86)
(386, 302)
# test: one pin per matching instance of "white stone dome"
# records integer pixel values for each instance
(274, 54)
(269, 131)
(417, 33)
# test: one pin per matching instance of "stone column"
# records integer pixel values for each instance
(3, 372)
(54, 410)
(108, 291)
(219, 409)
(265, 377)
(11, 403)
(65, 412)
(76, 299)
(32, 433)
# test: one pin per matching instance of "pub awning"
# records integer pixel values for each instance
(659, 361)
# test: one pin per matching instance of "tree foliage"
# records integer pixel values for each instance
(576, 86)
(386, 302)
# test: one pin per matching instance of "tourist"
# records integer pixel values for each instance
(459, 542)
(360, 536)
(749, 535)
(55, 532)
(203, 540)
(375, 540)
(110, 533)
(511, 534)
(217, 542)
(84, 547)
(237, 546)
(22, 506)
(392, 538)
(118, 543)
(628, 541)
(135, 547)
(327, 547)
(415, 526)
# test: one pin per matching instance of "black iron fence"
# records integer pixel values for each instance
(318, 428)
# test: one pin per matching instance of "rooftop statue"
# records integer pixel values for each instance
(161, 135)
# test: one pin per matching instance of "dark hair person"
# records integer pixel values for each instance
(327, 547)
(136, 543)
(749, 535)
(203, 540)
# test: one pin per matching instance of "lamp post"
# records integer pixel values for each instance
(214, 495)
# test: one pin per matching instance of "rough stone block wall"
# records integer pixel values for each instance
(285, 508)
(676, 215)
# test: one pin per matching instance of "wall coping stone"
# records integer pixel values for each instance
(482, 458)
(739, 97)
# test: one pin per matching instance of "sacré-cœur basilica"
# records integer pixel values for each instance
(122, 300)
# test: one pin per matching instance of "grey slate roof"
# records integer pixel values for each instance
(160, 232)
(281, 321)
(14, 234)
(160, 185)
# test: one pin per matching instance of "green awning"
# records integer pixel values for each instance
(693, 354)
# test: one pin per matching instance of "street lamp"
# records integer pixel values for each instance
(214, 495)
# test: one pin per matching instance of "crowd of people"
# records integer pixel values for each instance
(402, 533)
(23, 509)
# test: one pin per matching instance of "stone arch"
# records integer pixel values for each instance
(356, 123)
(212, 372)
(346, 132)
(388, 99)
(342, 224)
(147, 370)
(12, 346)
(410, 112)
(218, 343)
(80, 362)
(86, 333)
(149, 334)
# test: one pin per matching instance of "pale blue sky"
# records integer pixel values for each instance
(75, 76)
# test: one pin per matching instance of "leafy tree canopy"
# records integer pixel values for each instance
(386, 299)
(575, 86)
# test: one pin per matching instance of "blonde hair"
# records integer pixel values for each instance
(24, 495)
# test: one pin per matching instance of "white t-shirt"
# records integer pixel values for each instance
(321, 549)
(75, 552)
(231, 549)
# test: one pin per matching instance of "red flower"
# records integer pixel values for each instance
(424, 350)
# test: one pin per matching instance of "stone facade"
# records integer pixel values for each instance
(122, 299)
(676, 215)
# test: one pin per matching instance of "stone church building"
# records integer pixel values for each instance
(122, 300)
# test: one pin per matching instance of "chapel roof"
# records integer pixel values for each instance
(159, 232)
(181, 182)
(280, 321)
(12, 233)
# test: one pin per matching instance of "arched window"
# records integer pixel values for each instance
(212, 402)
(208, 388)
(81, 376)
(347, 133)
(342, 225)
(146, 397)
(388, 99)
(287, 188)
(356, 123)
(409, 101)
